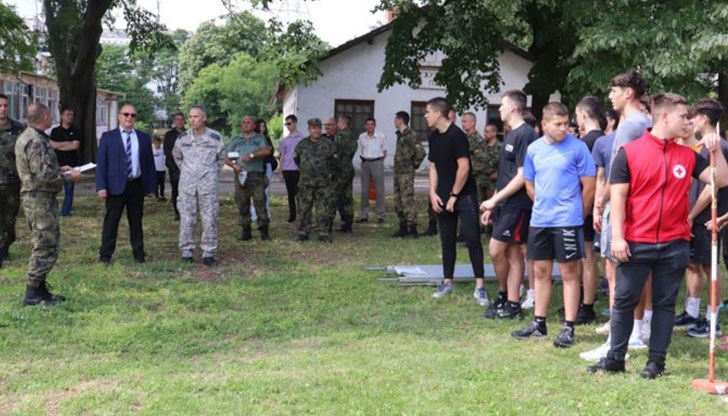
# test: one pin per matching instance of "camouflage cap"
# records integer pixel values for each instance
(314, 122)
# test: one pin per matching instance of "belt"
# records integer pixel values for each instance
(132, 180)
(363, 159)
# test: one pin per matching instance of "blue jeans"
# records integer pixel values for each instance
(67, 199)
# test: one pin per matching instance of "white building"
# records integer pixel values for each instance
(348, 85)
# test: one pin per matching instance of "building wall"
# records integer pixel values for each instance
(353, 74)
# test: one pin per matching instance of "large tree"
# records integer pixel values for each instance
(17, 42)
(74, 29)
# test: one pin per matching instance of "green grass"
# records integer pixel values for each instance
(291, 328)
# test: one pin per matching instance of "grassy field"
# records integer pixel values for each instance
(293, 328)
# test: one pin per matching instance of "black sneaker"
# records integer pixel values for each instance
(653, 370)
(529, 331)
(566, 338)
(607, 365)
(685, 321)
(603, 288)
(509, 311)
(584, 316)
(492, 311)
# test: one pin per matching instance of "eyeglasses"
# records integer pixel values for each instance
(132, 115)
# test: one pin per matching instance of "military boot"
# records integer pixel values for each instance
(264, 235)
(412, 232)
(247, 235)
(40, 294)
(431, 229)
(402, 230)
(346, 227)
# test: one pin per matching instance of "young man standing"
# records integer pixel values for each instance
(65, 141)
(510, 209)
(170, 138)
(453, 196)
(372, 152)
(560, 177)
(650, 179)
(407, 158)
(289, 170)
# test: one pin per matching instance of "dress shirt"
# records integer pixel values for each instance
(136, 170)
(372, 147)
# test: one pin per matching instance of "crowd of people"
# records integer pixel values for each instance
(626, 185)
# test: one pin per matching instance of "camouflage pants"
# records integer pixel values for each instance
(254, 189)
(343, 194)
(314, 198)
(208, 206)
(486, 187)
(404, 198)
(41, 212)
(9, 208)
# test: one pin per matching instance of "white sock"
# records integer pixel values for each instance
(636, 330)
(648, 315)
(692, 306)
(531, 293)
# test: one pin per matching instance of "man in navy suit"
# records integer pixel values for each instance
(125, 173)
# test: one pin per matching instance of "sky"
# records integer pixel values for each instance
(336, 21)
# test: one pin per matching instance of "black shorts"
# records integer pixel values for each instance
(700, 245)
(589, 229)
(510, 225)
(562, 244)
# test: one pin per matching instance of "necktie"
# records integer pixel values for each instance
(128, 153)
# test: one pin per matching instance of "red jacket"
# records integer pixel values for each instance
(657, 203)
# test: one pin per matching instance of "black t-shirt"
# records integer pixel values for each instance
(591, 138)
(512, 157)
(445, 150)
(168, 144)
(704, 215)
(61, 134)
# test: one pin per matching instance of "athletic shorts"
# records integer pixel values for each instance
(562, 244)
(589, 228)
(700, 245)
(510, 225)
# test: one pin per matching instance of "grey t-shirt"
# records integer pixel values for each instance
(629, 130)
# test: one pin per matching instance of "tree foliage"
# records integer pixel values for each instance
(18, 44)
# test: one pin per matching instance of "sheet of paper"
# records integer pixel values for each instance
(85, 167)
(233, 155)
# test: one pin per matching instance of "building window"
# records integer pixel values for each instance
(52, 102)
(39, 95)
(10, 90)
(417, 120)
(101, 113)
(358, 110)
(24, 94)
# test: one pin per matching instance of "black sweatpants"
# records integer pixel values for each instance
(466, 209)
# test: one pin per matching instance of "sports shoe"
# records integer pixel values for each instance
(531, 330)
(566, 338)
(685, 321)
(607, 365)
(596, 354)
(509, 311)
(530, 300)
(491, 312)
(481, 296)
(443, 290)
(702, 329)
(653, 370)
(604, 329)
(636, 344)
(584, 316)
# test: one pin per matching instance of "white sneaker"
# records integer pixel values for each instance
(636, 344)
(646, 331)
(596, 354)
(521, 290)
(603, 329)
(529, 302)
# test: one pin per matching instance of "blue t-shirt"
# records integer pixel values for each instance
(555, 170)
(602, 151)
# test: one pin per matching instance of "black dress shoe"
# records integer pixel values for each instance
(186, 259)
(140, 260)
(653, 370)
(106, 261)
(607, 365)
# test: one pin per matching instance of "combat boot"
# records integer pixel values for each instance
(40, 294)
(346, 227)
(402, 230)
(247, 234)
(412, 232)
(264, 235)
(431, 229)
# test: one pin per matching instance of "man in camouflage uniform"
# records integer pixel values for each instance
(316, 158)
(253, 149)
(407, 158)
(9, 180)
(200, 154)
(346, 147)
(42, 179)
(478, 156)
(492, 155)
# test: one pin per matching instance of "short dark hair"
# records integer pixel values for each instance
(404, 116)
(4, 96)
(292, 118)
(492, 125)
(614, 115)
(666, 102)
(158, 139)
(66, 108)
(370, 118)
(555, 109)
(441, 105)
(591, 106)
(713, 109)
(530, 119)
(178, 114)
(346, 118)
(646, 100)
(631, 79)
(518, 98)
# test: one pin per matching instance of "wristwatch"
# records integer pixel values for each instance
(252, 155)
(454, 194)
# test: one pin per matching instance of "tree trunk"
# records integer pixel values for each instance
(723, 98)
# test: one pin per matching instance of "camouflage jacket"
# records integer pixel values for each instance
(478, 153)
(409, 153)
(37, 163)
(316, 160)
(492, 157)
(9, 134)
(200, 159)
(346, 147)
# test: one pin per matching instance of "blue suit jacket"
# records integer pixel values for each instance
(111, 163)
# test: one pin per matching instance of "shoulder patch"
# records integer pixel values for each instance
(216, 136)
